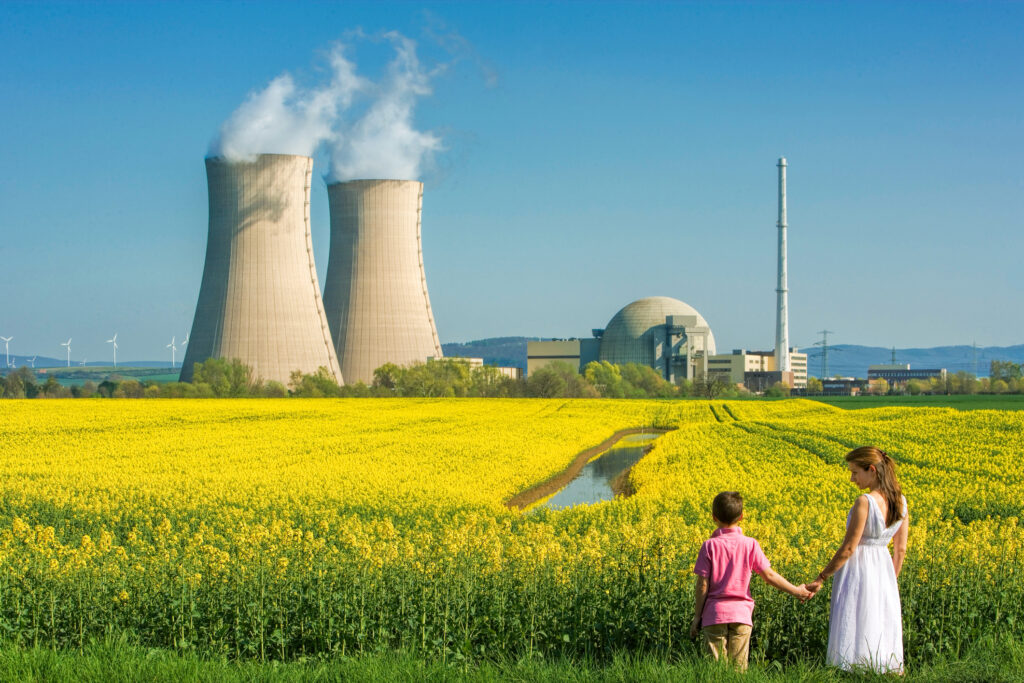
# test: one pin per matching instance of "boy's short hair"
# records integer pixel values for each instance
(727, 507)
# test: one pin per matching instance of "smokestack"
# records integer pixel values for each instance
(376, 291)
(782, 318)
(260, 300)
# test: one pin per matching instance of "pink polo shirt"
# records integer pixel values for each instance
(727, 560)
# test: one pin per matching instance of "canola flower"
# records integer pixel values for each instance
(277, 529)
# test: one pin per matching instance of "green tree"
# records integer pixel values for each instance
(606, 378)
(486, 380)
(316, 385)
(647, 382)
(387, 377)
(227, 377)
(710, 387)
(545, 382)
(274, 389)
(1004, 370)
(13, 386)
(814, 386)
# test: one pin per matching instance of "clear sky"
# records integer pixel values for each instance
(595, 153)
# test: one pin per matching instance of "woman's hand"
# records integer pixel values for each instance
(695, 626)
(813, 586)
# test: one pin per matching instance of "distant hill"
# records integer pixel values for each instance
(851, 360)
(504, 351)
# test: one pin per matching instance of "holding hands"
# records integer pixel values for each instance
(810, 589)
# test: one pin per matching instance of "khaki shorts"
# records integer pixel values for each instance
(732, 639)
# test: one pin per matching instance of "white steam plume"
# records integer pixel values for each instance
(366, 127)
(284, 119)
(382, 143)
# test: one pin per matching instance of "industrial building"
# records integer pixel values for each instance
(259, 300)
(474, 363)
(663, 333)
(575, 352)
(375, 293)
(898, 374)
(755, 369)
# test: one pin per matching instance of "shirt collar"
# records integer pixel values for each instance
(727, 530)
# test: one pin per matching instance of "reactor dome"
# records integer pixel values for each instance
(638, 333)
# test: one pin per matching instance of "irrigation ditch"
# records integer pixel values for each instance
(597, 473)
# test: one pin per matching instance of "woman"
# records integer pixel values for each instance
(866, 626)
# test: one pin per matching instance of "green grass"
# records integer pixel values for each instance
(959, 401)
(115, 659)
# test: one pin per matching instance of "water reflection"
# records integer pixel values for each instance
(594, 483)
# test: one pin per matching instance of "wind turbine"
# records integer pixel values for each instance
(114, 342)
(7, 347)
(32, 360)
(173, 348)
(83, 361)
(68, 344)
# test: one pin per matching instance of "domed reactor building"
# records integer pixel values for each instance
(260, 300)
(375, 293)
(664, 333)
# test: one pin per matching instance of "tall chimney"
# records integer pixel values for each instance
(782, 319)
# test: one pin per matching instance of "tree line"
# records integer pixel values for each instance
(224, 378)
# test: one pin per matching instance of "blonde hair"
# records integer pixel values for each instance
(866, 456)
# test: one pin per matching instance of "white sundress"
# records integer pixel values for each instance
(865, 629)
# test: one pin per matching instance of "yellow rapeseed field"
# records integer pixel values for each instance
(281, 528)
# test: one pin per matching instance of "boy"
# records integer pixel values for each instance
(722, 602)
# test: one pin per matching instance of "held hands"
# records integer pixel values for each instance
(803, 594)
(812, 588)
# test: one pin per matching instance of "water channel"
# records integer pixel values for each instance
(594, 482)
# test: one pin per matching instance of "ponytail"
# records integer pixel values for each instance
(885, 468)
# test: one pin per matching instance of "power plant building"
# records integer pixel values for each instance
(757, 370)
(663, 333)
(575, 352)
(375, 293)
(259, 300)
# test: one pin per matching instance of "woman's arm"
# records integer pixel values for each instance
(854, 530)
(776, 580)
(700, 596)
(899, 544)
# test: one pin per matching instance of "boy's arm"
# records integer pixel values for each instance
(776, 580)
(700, 596)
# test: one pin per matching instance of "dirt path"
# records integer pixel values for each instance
(531, 495)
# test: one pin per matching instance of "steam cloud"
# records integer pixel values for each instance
(365, 127)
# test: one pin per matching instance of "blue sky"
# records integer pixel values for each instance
(595, 153)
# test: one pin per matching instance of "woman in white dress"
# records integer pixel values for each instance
(866, 622)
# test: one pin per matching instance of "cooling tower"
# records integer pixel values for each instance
(376, 291)
(260, 300)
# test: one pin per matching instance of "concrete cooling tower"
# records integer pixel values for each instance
(259, 300)
(376, 291)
